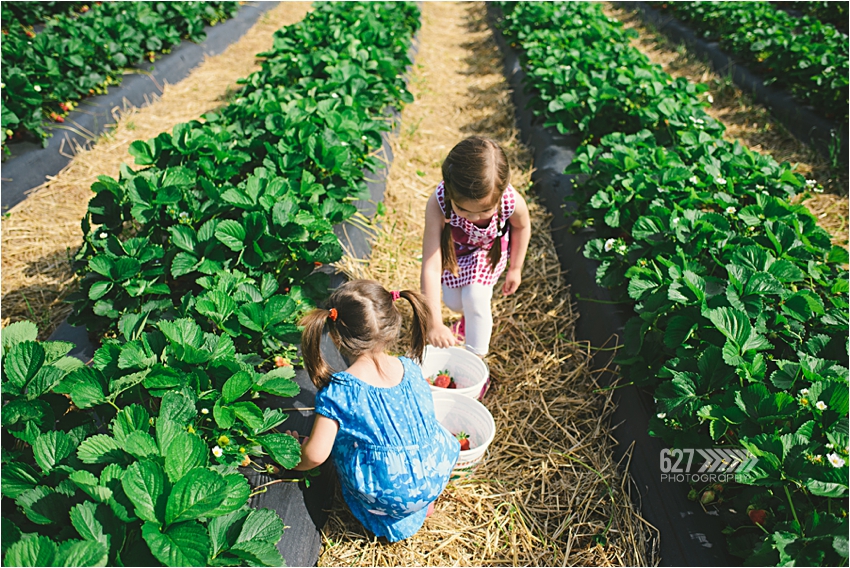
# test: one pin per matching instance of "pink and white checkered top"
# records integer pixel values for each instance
(472, 243)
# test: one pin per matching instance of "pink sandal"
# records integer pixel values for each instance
(459, 329)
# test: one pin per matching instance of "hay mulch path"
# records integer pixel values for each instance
(549, 489)
(41, 234)
(751, 123)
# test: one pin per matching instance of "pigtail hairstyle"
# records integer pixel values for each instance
(361, 319)
(311, 347)
(475, 169)
(419, 328)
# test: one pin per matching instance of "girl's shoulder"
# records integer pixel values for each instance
(509, 200)
(440, 194)
(410, 365)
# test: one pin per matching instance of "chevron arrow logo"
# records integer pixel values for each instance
(726, 460)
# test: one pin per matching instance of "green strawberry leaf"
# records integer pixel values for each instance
(182, 544)
(146, 486)
(51, 448)
(283, 449)
(34, 551)
(186, 452)
(236, 386)
(261, 525)
(197, 493)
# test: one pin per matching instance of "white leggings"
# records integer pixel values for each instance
(473, 301)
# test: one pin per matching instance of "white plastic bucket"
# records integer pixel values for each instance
(469, 372)
(460, 413)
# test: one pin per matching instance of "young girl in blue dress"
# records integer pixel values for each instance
(376, 419)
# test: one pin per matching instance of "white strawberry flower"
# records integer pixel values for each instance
(334, 96)
(811, 182)
(710, 99)
(609, 244)
(829, 446)
(662, 415)
(804, 392)
(217, 452)
(205, 411)
(37, 88)
(730, 210)
(720, 181)
(820, 405)
(694, 180)
(103, 235)
(835, 460)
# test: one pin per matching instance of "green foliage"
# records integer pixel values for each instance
(81, 51)
(740, 298)
(133, 458)
(156, 473)
(804, 55)
(229, 216)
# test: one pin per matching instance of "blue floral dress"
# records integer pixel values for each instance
(392, 456)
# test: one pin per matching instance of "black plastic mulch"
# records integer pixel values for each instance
(30, 165)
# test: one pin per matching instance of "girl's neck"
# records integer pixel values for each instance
(377, 369)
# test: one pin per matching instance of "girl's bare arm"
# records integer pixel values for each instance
(520, 236)
(317, 447)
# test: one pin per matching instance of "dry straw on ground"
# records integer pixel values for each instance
(549, 485)
(751, 123)
(41, 234)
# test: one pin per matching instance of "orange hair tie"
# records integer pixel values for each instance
(332, 314)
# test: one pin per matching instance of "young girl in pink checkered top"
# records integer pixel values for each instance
(474, 223)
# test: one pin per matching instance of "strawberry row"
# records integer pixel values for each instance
(206, 253)
(75, 55)
(741, 300)
(834, 13)
(34, 13)
(807, 57)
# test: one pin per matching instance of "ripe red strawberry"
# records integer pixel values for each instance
(442, 380)
(757, 516)
(463, 438)
(452, 385)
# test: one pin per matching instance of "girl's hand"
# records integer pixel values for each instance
(441, 336)
(513, 277)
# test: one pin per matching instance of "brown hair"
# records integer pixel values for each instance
(366, 321)
(475, 169)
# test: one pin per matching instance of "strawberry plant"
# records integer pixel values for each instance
(138, 486)
(196, 267)
(244, 202)
(740, 298)
(834, 13)
(803, 55)
(33, 13)
(78, 54)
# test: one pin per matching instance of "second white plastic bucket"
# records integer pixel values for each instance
(469, 372)
(460, 413)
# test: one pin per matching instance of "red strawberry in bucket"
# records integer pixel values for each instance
(463, 438)
(443, 380)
